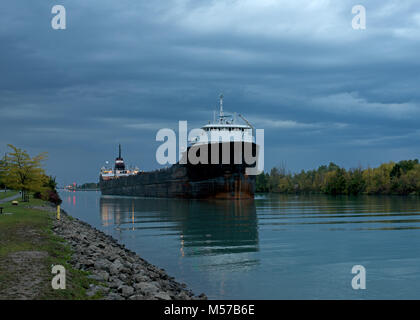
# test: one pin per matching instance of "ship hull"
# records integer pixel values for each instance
(199, 181)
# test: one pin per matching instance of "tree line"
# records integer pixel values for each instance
(401, 178)
(88, 186)
(19, 171)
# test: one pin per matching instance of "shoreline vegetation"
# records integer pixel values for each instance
(28, 248)
(89, 186)
(401, 178)
(19, 171)
(92, 186)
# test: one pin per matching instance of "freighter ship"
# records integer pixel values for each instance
(119, 169)
(223, 176)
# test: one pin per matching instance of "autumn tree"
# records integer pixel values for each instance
(336, 182)
(21, 172)
(2, 185)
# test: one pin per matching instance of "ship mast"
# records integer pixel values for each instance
(221, 108)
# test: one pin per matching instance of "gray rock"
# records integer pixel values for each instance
(99, 276)
(113, 270)
(112, 257)
(141, 278)
(162, 296)
(95, 277)
(92, 291)
(123, 277)
(88, 263)
(104, 275)
(202, 296)
(116, 283)
(114, 296)
(102, 264)
(183, 296)
(116, 267)
(104, 289)
(137, 297)
(126, 291)
(147, 287)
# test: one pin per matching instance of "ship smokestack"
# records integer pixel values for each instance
(119, 162)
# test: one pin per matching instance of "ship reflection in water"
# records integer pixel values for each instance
(218, 237)
(208, 244)
(208, 228)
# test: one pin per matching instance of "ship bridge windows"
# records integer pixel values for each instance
(223, 129)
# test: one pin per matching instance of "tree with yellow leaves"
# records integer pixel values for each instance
(21, 172)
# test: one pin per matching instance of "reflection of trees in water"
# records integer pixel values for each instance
(204, 227)
(368, 212)
(369, 203)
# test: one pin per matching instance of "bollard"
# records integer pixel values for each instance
(58, 212)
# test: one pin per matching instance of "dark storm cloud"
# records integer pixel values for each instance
(123, 69)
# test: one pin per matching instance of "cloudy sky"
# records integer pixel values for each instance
(124, 69)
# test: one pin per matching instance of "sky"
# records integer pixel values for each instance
(122, 70)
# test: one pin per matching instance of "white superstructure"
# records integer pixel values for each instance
(119, 169)
(224, 129)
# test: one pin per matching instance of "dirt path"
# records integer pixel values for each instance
(10, 198)
(23, 271)
(26, 275)
(29, 249)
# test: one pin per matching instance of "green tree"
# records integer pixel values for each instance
(336, 182)
(356, 183)
(21, 172)
(389, 178)
(274, 181)
(403, 167)
(261, 183)
(2, 185)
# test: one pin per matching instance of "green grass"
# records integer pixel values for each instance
(7, 194)
(31, 230)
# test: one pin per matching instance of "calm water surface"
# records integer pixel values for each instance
(275, 247)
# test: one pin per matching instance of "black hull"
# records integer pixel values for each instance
(200, 181)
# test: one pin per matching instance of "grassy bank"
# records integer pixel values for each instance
(28, 249)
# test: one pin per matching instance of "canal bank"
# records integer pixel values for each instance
(28, 248)
(32, 240)
(122, 274)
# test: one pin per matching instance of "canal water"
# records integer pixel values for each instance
(275, 247)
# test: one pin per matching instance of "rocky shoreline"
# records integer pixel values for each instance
(122, 273)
